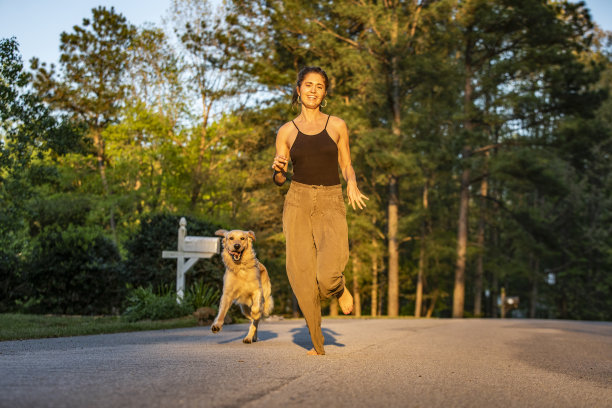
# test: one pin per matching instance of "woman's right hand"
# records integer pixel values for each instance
(280, 163)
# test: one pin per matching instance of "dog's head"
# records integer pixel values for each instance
(235, 242)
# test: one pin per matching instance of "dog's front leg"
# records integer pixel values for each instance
(254, 315)
(256, 307)
(224, 305)
(251, 336)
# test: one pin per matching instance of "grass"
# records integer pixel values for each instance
(24, 326)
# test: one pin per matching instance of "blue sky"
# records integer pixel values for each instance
(37, 24)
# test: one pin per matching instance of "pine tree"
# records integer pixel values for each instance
(91, 84)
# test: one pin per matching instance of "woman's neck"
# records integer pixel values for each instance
(310, 115)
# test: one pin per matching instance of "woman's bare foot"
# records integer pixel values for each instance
(312, 352)
(346, 301)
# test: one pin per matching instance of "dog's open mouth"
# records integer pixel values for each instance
(235, 254)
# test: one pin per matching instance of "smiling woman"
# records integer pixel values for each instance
(314, 215)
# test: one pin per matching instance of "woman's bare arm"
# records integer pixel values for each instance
(281, 159)
(344, 160)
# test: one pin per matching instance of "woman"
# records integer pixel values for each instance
(314, 215)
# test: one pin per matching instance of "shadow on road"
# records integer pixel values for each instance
(262, 335)
(301, 337)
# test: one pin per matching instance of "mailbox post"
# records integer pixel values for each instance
(189, 251)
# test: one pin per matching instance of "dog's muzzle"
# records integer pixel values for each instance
(235, 254)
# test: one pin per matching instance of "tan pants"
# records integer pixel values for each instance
(314, 224)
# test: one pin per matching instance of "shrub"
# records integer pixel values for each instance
(143, 303)
(60, 210)
(9, 280)
(76, 270)
(156, 233)
(203, 295)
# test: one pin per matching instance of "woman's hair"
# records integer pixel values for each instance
(300, 78)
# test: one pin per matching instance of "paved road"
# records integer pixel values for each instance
(369, 363)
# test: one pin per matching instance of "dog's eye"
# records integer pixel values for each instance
(231, 238)
(242, 238)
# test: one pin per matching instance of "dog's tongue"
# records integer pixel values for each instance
(235, 255)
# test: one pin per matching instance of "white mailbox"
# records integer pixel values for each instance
(190, 250)
(201, 244)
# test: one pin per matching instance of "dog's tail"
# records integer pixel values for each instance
(267, 290)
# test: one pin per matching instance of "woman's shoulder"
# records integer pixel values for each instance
(286, 128)
(336, 123)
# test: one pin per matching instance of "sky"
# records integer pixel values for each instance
(37, 24)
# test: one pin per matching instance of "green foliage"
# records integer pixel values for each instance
(143, 303)
(25, 326)
(29, 132)
(156, 233)
(201, 294)
(9, 280)
(427, 89)
(93, 62)
(61, 210)
(74, 270)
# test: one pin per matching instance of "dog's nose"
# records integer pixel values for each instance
(236, 246)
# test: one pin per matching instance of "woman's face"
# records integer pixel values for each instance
(312, 91)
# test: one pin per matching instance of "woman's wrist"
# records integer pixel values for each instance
(279, 180)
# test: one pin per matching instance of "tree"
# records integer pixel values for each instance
(29, 134)
(510, 70)
(375, 53)
(205, 38)
(147, 145)
(91, 86)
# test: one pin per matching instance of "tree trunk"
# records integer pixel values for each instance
(503, 302)
(295, 306)
(481, 243)
(462, 228)
(419, 289)
(333, 306)
(374, 291)
(198, 172)
(356, 294)
(494, 292)
(534, 288)
(395, 99)
(432, 303)
(462, 233)
(393, 281)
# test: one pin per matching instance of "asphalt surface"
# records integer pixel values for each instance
(369, 363)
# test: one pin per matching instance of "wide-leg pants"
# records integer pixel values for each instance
(316, 233)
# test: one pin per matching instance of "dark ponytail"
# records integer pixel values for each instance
(300, 78)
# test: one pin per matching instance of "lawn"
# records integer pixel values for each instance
(24, 326)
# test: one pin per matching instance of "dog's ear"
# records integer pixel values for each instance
(221, 232)
(251, 235)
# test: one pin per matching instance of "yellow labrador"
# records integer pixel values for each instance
(245, 282)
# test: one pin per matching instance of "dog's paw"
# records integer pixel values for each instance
(247, 340)
(216, 328)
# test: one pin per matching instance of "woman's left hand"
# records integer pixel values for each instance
(355, 196)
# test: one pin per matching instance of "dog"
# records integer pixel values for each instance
(245, 282)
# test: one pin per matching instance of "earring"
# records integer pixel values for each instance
(324, 100)
(299, 100)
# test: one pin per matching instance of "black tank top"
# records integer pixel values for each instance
(315, 158)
